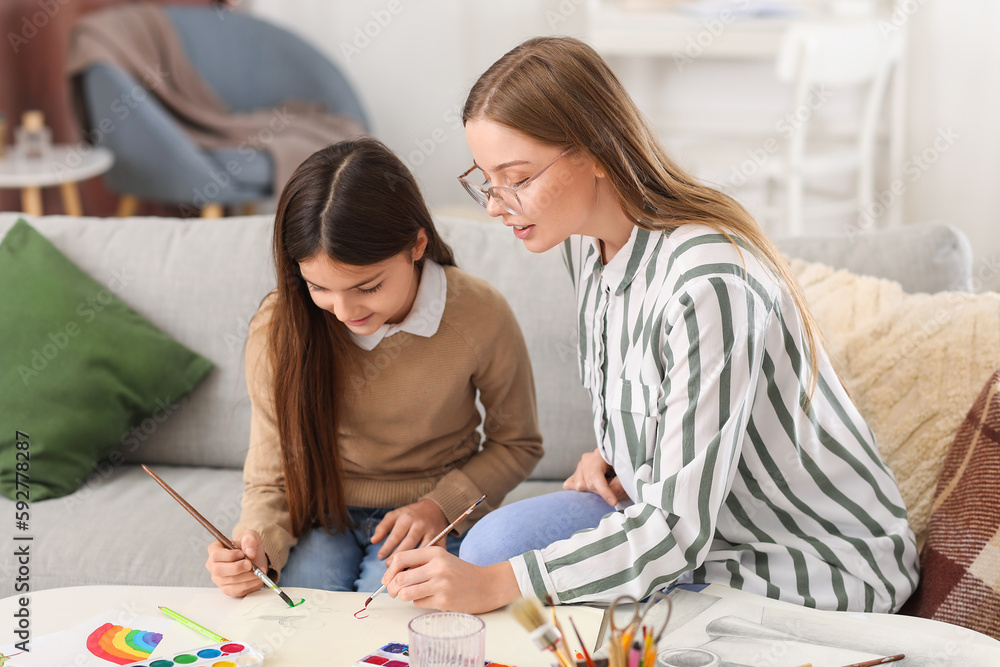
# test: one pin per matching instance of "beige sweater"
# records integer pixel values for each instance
(408, 427)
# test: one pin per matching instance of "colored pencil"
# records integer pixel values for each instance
(226, 542)
(191, 624)
(430, 544)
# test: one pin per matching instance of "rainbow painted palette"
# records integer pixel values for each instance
(226, 654)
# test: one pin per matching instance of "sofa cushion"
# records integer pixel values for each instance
(960, 562)
(199, 281)
(913, 364)
(78, 368)
(122, 529)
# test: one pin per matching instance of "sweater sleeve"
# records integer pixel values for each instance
(264, 505)
(512, 445)
(710, 348)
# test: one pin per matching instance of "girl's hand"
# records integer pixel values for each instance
(591, 475)
(437, 580)
(409, 527)
(230, 572)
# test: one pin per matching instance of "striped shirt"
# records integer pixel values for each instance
(695, 359)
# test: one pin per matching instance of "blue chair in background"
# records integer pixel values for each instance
(251, 65)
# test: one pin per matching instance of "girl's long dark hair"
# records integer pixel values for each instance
(357, 203)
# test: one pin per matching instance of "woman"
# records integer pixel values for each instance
(727, 444)
(363, 369)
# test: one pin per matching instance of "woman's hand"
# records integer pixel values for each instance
(437, 580)
(230, 572)
(409, 527)
(592, 475)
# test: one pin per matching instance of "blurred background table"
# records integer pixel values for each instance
(65, 166)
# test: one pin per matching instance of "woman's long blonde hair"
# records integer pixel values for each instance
(559, 91)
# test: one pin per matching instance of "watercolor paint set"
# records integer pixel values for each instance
(226, 654)
(395, 654)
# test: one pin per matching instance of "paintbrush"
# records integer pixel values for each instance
(528, 612)
(586, 653)
(430, 544)
(225, 541)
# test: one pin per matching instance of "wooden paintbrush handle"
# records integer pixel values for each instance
(226, 542)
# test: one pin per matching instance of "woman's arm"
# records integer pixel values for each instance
(433, 578)
(710, 348)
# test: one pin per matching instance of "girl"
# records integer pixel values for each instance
(363, 369)
(727, 449)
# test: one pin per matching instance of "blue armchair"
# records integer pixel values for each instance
(250, 64)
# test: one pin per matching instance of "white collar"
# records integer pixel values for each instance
(425, 314)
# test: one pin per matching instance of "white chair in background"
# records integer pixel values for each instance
(820, 60)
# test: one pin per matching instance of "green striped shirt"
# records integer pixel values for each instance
(695, 359)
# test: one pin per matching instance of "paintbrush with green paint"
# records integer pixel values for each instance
(225, 541)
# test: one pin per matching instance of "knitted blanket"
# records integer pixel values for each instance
(140, 39)
(913, 363)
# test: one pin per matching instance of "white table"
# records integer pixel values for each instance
(739, 627)
(65, 166)
(321, 631)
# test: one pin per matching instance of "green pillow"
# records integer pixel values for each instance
(77, 368)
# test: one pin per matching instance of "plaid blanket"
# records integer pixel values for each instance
(960, 562)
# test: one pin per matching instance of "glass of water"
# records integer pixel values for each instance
(447, 638)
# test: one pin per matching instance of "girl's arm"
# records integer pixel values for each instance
(264, 507)
(513, 443)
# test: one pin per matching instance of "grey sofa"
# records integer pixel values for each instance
(201, 282)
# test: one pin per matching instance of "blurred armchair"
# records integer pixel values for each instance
(250, 65)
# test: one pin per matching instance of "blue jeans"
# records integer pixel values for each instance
(346, 561)
(533, 523)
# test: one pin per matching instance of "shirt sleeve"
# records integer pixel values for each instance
(265, 504)
(512, 445)
(709, 346)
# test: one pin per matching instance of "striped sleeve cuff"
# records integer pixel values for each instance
(532, 579)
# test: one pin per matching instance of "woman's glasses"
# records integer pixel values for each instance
(506, 196)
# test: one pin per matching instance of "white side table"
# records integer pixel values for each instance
(65, 165)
